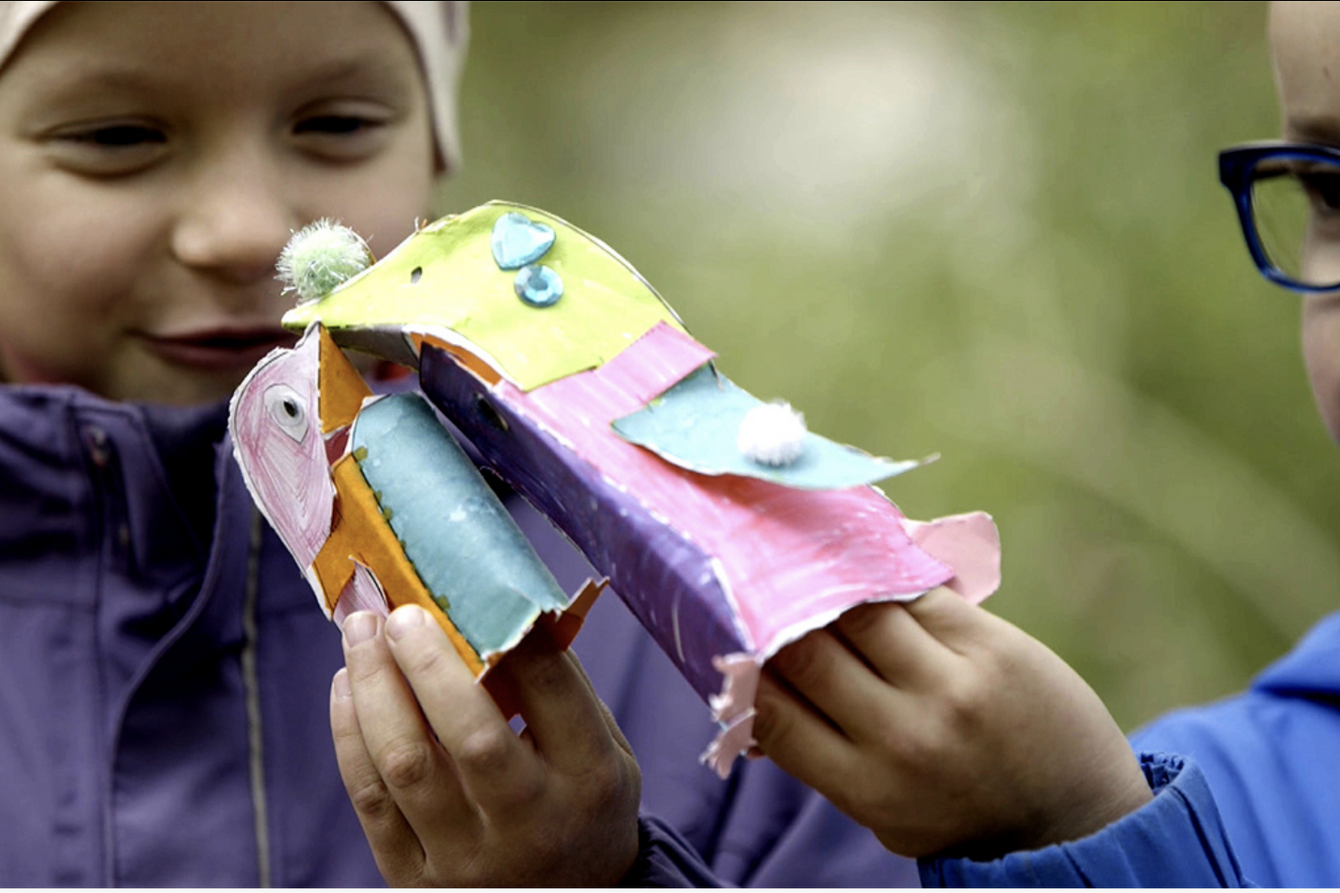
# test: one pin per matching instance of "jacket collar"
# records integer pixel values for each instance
(1312, 669)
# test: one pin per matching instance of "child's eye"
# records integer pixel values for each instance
(342, 135)
(107, 149)
(332, 124)
(1323, 190)
(121, 135)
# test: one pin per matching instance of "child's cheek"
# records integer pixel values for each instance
(18, 368)
(1321, 351)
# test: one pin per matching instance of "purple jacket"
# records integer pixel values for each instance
(163, 714)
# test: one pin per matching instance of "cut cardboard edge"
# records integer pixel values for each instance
(561, 627)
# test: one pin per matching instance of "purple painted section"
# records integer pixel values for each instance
(666, 581)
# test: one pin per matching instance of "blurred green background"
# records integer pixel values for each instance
(988, 230)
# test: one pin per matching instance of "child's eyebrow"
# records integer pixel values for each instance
(368, 71)
(64, 90)
(79, 73)
(371, 69)
(1313, 128)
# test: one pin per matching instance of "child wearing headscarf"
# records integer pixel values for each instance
(168, 682)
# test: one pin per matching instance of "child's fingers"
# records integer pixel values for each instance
(492, 764)
(835, 680)
(561, 710)
(960, 626)
(414, 768)
(897, 646)
(611, 724)
(393, 842)
(797, 738)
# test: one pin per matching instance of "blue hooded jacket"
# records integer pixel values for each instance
(164, 704)
(1251, 796)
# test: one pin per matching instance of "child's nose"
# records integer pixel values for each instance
(233, 222)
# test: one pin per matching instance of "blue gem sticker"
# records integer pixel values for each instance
(517, 241)
(538, 285)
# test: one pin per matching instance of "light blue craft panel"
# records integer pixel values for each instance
(464, 545)
(695, 424)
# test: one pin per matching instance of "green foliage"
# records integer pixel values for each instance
(991, 230)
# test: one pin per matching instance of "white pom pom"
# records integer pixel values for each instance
(319, 257)
(772, 434)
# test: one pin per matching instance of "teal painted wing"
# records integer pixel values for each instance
(463, 544)
(695, 424)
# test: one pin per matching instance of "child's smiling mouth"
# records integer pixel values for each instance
(222, 348)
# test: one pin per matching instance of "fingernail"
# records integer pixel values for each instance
(360, 627)
(339, 686)
(405, 619)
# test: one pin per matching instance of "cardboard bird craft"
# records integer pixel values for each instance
(727, 527)
(380, 507)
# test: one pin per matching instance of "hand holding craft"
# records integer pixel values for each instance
(448, 794)
(938, 725)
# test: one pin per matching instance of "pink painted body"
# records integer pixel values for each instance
(790, 560)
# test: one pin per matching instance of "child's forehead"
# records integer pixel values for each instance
(1305, 44)
(438, 32)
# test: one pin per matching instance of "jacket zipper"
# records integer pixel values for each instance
(251, 683)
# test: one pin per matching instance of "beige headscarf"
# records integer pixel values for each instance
(439, 29)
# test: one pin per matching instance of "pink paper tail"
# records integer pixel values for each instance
(968, 543)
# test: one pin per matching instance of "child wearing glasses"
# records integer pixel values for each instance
(167, 703)
(959, 739)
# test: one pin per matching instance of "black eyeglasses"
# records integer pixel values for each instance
(1288, 200)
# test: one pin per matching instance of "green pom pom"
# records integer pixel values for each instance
(320, 257)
